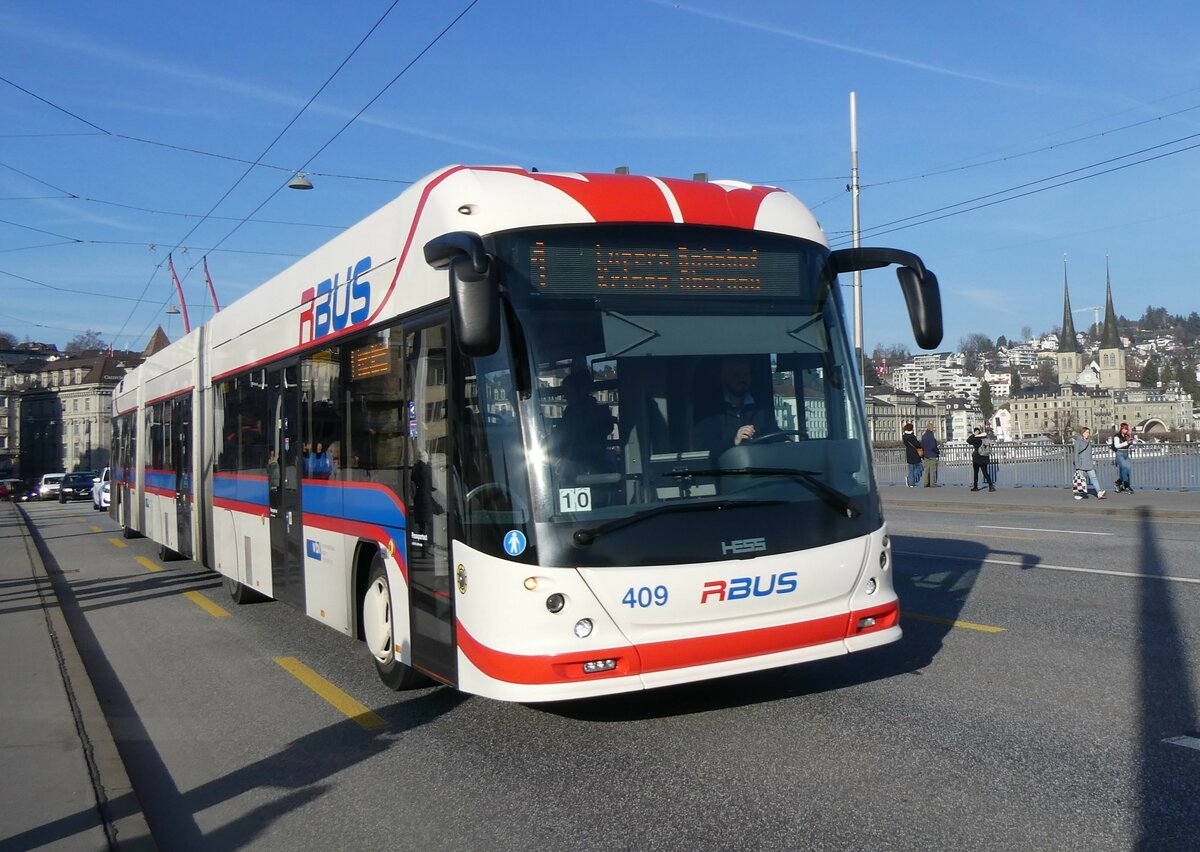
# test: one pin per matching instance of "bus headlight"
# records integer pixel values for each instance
(583, 628)
(556, 602)
(870, 586)
(883, 560)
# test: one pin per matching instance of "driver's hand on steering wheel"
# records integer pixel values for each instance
(744, 433)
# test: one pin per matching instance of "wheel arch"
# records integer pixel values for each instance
(364, 553)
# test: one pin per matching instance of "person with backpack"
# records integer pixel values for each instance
(981, 457)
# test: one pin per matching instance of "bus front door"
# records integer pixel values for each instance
(431, 596)
(285, 469)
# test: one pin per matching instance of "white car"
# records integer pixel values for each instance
(50, 485)
(100, 490)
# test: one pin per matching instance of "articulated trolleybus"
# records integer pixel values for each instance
(537, 436)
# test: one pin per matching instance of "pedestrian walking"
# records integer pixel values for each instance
(1120, 443)
(981, 457)
(1084, 465)
(929, 444)
(913, 453)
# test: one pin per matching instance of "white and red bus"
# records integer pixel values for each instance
(537, 436)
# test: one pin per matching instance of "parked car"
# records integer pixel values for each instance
(76, 486)
(48, 488)
(11, 489)
(100, 490)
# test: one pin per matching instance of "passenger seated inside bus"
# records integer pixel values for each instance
(316, 462)
(579, 442)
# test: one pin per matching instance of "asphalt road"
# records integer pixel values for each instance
(1048, 663)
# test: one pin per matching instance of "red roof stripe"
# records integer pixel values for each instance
(613, 198)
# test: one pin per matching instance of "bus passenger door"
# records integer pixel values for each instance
(285, 469)
(431, 594)
(181, 461)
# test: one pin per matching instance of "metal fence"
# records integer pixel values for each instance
(1174, 467)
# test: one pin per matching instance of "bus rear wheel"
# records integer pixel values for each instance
(379, 631)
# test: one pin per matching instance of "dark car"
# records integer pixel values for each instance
(76, 486)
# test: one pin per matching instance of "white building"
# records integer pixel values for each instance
(966, 385)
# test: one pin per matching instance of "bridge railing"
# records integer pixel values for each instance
(1037, 465)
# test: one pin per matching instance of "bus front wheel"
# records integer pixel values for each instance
(240, 593)
(379, 631)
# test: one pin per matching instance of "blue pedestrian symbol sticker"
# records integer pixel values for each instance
(514, 542)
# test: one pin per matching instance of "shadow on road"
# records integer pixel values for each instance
(300, 768)
(1168, 776)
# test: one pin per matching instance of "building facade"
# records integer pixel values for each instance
(65, 417)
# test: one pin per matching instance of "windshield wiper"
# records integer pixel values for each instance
(585, 537)
(807, 478)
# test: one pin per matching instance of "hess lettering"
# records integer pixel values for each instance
(740, 588)
(335, 304)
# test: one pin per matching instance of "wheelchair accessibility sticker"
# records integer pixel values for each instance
(514, 542)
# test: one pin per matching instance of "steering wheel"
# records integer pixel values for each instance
(488, 488)
(769, 437)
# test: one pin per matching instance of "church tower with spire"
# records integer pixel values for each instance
(1112, 353)
(1069, 356)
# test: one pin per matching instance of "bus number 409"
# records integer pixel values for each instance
(645, 597)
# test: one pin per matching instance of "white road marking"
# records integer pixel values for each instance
(1042, 565)
(1038, 529)
(1185, 741)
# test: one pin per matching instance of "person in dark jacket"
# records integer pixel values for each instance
(929, 443)
(981, 457)
(740, 417)
(1120, 443)
(912, 455)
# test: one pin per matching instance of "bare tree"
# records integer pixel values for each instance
(7, 341)
(89, 341)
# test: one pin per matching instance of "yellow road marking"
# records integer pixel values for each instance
(95, 528)
(958, 534)
(357, 712)
(965, 625)
(148, 564)
(206, 605)
(116, 542)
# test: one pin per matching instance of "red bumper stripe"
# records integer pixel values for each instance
(674, 654)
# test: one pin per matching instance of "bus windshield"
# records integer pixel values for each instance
(693, 394)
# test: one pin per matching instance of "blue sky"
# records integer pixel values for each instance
(959, 106)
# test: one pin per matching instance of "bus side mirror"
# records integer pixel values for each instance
(474, 290)
(919, 285)
(924, 302)
(475, 307)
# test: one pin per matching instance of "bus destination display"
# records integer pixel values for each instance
(681, 270)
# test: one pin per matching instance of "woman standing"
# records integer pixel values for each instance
(912, 455)
(1084, 463)
(981, 452)
(1121, 442)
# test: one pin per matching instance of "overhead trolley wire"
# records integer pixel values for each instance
(929, 215)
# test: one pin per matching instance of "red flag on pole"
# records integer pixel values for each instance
(187, 326)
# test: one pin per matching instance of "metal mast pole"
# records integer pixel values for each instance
(857, 287)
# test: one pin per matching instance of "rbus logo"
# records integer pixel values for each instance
(334, 304)
(740, 588)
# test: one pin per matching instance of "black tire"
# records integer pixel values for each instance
(126, 532)
(240, 593)
(376, 611)
(166, 554)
